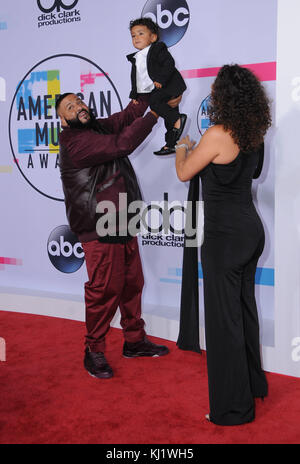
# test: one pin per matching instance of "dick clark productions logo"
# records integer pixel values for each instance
(55, 12)
(45, 8)
(34, 125)
(171, 16)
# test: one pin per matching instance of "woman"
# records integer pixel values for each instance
(228, 156)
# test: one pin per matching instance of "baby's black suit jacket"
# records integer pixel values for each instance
(161, 68)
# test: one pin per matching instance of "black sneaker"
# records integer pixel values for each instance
(97, 365)
(144, 348)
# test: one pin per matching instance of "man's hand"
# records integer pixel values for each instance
(157, 85)
(155, 114)
(174, 102)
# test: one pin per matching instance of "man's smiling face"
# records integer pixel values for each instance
(74, 112)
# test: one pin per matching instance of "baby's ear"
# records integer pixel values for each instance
(154, 38)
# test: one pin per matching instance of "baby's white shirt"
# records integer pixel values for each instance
(143, 82)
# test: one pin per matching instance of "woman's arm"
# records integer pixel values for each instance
(190, 161)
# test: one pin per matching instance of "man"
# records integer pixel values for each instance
(95, 168)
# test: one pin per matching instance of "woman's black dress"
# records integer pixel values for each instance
(233, 242)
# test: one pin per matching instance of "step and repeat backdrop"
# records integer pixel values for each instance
(50, 47)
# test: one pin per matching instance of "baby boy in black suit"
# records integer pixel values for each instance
(153, 71)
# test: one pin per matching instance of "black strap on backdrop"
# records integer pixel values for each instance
(188, 338)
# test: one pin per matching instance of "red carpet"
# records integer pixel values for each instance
(48, 398)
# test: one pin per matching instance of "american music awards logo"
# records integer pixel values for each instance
(34, 125)
(203, 121)
(3, 24)
(54, 12)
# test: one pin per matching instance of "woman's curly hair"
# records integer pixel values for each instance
(239, 102)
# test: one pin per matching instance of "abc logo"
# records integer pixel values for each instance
(203, 121)
(64, 250)
(171, 16)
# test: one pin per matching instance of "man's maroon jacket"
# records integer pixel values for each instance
(94, 165)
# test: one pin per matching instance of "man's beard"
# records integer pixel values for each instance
(77, 124)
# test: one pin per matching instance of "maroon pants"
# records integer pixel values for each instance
(115, 280)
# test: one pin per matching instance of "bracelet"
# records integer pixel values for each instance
(181, 146)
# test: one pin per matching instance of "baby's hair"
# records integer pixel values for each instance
(151, 25)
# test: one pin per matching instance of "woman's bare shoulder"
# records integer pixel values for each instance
(216, 131)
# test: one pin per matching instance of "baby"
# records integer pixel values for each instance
(153, 71)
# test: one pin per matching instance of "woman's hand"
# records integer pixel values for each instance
(186, 141)
(206, 151)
